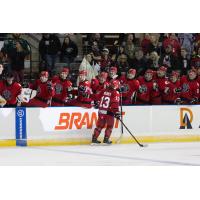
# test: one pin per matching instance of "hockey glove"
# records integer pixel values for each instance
(82, 88)
(117, 115)
(178, 101)
(194, 100)
(96, 104)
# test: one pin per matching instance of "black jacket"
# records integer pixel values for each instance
(49, 46)
(70, 50)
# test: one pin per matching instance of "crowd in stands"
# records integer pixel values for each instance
(153, 69)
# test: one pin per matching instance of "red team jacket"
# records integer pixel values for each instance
(146, 93)
(61, 90)
(171, 92)
(97, 87)
(190, 89)
(128, 89)
(10, 92)
(43, 92)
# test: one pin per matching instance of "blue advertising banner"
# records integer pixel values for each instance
(21, 136)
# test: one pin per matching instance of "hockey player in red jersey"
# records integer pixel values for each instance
(160, 83)
(129, 87)
(190, 88)
(98, 84)
(172, 90)
(84, 92)
(62, 88)
(9, 91)
(112, 73)
(45, 91)
(108, 110)
(147, 88)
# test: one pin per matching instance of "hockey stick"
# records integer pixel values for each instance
(141, 145)
(122, 127)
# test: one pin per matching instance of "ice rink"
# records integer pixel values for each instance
(187, 154)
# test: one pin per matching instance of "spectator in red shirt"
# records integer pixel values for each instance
(173, 41)
(145, 43)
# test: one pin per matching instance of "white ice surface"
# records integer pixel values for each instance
(129, 154)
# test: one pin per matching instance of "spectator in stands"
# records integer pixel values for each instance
(186, 42)
(129, 47)
(122, 64)
(98, 39)
(154, 45)
(49, 48)
(86, 65)
(139, 62)
(105, 61)
(145, 43)
(173, 41)
(184, 62)
(168, 59)
(96, 53)
(69, 51)
(153, 61)
(15, 51)
(1, 71)
(117, 52)
(196, 59)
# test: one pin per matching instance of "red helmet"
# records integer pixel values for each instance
(87, 84)
(65, 69)
(162, 68)
(114, 84)
(148, 74)
(83, 72)
(174, 73)
(149, 71)
(103, 75)
(114, 69)
(44, 73)
(192, 73)
(132, 71)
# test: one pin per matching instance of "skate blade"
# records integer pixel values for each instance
(95, 144)
(100, 144)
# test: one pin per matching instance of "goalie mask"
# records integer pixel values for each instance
(192, 74)
(174, 76)
(44, 75)
(103, 77)
(113, 72)
(161, 72)
(131, 74)
(64, 73)
(82, 75)
(148, 75)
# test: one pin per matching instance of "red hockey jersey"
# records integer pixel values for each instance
(10, 92)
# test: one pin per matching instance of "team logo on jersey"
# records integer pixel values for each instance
(58, 88)
(185, 87)
(143, 89)
(7, 95)
(126, 87)
(186, 118)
